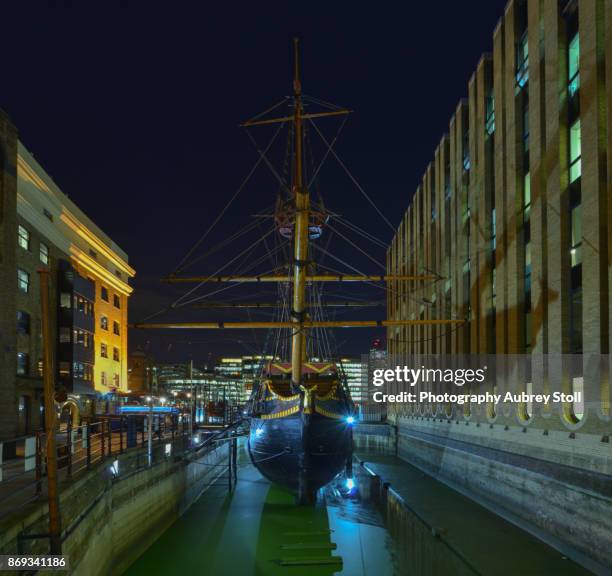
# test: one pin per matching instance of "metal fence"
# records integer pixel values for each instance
(23, 459)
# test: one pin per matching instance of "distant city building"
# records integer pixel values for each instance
(142, 373)
(41, 227)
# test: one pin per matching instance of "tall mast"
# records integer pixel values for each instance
(300, 235)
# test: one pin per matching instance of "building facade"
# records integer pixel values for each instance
(41, 227)
(514, 214)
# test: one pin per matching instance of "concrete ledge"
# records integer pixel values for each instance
(569, 508)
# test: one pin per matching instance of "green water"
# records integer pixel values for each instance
(257, 530)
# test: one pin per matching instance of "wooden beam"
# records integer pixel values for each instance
(291, 118)
(285, 278)
(306, 324)
(208, 305)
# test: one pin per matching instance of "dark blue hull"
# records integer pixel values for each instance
(307, 450)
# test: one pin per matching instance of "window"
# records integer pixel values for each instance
(104, 293)
(48, 214)
(64, 335)
(490, 113)
(116, 328)
(104, 322)
(23, 280)
(66, 300)
(116, 301)
(64, 369)
(103, 378)
(575, 149)
(23, 361)
(522, 61)
(44, 253)
(116, 356)
(573, 65)
(23, 237)
(103, 350)
(576, 235)
(116, 380)
(23, 322)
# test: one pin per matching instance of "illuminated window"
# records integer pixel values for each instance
(23, 322)
(44, 253)
(522, 61)
(66, 300)
(23, 280)
(576, 235)
(575, 149)
(64, 335)
(23, 361)
(573, 65)
(490, 113)
(104, 322)
(103, 350)
(104, 293)
(23, 237)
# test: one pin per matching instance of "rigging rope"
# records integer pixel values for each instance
(348, 172)
(222, 213)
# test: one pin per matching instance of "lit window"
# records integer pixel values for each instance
(490, 114)
(23, 361)
(573, 65)
(576, 231)
(23, 280)
(44, 253)
(64, 335)
(23, 237)
(116, 301)
(116, 380)
(104, 322)
(575, 149)
(65, 300)
(64, 368)
(522, 61)
(104, 293)
(103, 350)
(23, 322)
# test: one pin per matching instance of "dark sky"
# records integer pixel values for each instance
(133, 108)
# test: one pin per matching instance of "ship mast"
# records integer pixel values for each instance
(301, 231)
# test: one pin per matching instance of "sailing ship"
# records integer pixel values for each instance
(300, 410)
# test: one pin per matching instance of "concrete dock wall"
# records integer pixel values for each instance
(110, 522)
(568, 507)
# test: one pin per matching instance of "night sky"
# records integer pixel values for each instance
(133, 109)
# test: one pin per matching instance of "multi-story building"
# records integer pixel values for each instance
(41, 227)
(142, 373)
(514, 215)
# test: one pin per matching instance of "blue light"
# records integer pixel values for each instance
(350, 419)
(259, 432)
(350, 484)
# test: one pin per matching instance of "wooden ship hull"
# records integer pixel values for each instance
(301, 440)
